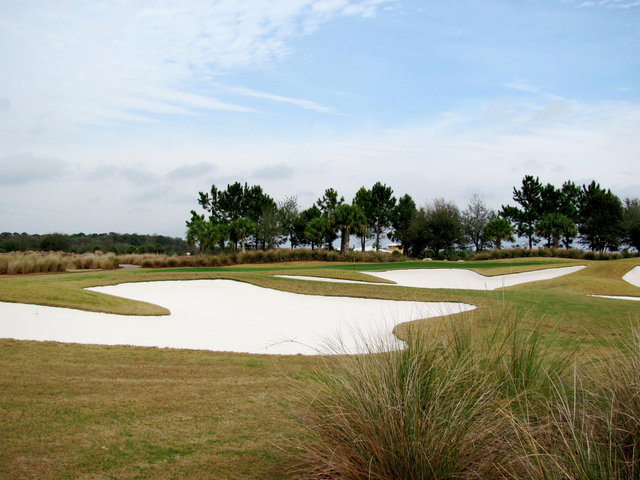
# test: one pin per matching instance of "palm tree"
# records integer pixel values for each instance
(499, 230)
(346, 218)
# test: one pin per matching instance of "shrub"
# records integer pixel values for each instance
(211, 261)
(434, 410)
(171, 262)
(259, 256)
(589, 255)
(458, 404)
(109, 262)
(481, 256)
(185, 261)
(275, 255)
(593, 425)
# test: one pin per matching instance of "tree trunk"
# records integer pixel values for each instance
(344, 244)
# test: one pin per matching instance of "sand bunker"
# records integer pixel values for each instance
(222, 315)
(633, 276)
(456, 278)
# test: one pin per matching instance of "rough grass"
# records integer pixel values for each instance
(162, 413)
(464, 404)
(81, 411)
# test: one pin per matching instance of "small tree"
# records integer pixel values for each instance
(316, 230)
(526, 217)
(243, 228)
(554, 226)
(631, 223)
(288, 212)
(363, 200)
(600, 224)
(347, 218)
(327, 205)
(403, 215)
(269, 229)
(299, 237)
(498, 230)
(436, 226)
(474, 220)
(381, 208)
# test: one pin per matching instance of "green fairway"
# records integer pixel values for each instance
(483, 265)
(100, 412)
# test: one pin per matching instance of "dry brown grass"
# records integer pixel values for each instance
(81, 411)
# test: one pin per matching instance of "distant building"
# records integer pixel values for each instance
(389, 248)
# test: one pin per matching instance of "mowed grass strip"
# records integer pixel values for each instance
(82, 411)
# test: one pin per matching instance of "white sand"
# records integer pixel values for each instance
(455, 278)
(633, 276)
(327, 279)
(222, 315)
(636, 299)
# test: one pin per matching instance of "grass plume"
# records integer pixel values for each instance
(458, 404)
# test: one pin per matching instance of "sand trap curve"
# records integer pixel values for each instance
(222, 315)
(633, 276)
(454, 278)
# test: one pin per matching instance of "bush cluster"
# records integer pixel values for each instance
(40, 262)
(45, 262)
(258, 257)
(468, 406)
(519, 252)
(31, 262)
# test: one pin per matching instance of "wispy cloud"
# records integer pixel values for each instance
(275, 172)
(522, 85)
(191, 171)
(90, 62)
(247, 92)
(526, 86)
(135, 175)
(607, 3)
(27, 168)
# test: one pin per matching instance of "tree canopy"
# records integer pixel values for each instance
(245, 216)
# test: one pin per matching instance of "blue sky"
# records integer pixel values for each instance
(114, 114)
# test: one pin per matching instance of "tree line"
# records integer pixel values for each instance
(243, 217)
(590, 214)
(117, 243)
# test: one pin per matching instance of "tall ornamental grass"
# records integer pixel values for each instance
(457, 404)
(593, 424)
(44, 262)
(256, 257)
(32, 262)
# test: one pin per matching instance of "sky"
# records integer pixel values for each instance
(114, 114)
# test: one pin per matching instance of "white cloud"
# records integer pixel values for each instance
(27, 168)
(137, 175)
(275, 172)
(76, 63)
(190, 171)
(607, 3)
(522, 85)
(247, 92)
